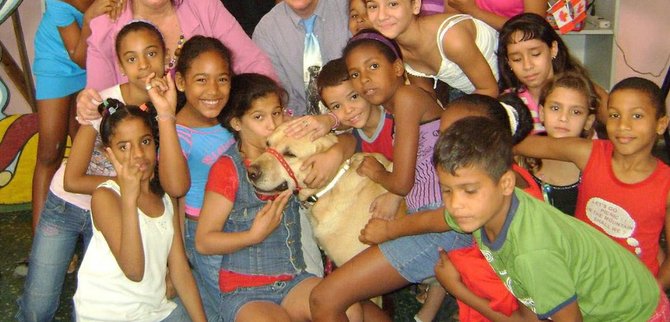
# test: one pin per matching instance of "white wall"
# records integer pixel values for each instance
(644, 36)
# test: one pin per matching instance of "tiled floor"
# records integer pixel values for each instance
(15, 244)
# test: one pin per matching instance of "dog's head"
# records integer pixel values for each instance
(278, 168)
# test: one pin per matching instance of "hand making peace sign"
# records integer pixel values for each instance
(128, 172)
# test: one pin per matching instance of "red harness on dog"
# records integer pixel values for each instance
(284, 164)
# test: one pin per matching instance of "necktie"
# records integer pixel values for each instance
(311, 66)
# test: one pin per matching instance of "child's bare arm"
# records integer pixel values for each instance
(314, 125)
(459, 46)
(386, 206)
(450, 279)
(74, 38)
(87, 106)
(324, 166)
(378, 230)
(569, 313)
(575, 150)
(173, 169)
(211, 239)
(180, 273)
(117, 217)
(663, 277)
(76, 180)
(407, 116)
(213, 216)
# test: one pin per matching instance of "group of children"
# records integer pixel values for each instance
(241, 257)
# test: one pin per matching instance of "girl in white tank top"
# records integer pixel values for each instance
(456, 49)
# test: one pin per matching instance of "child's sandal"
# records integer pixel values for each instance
(422, 292)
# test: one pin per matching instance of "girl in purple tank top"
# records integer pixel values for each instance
(377, 72)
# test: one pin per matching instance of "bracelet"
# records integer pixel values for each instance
(337, 121)
(160, 117)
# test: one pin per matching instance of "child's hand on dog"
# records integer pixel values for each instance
(268, 218)
(371, 168)
(385, 206)
(315, 126)
(375, 232)
(322, 168)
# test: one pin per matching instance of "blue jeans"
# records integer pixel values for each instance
(179, 314)
(55, 239)
(205, 272)
(415, 256)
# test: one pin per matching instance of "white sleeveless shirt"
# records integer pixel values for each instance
(452, 74)
(104, 293)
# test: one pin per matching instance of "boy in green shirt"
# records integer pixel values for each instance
(557, 266)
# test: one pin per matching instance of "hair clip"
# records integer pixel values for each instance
(109, 110)
(144, 107)
(513, 116)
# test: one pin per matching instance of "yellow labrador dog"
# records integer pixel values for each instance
(342, 208)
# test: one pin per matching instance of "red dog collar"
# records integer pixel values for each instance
(284, 164)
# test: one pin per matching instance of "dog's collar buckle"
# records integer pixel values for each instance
(312, 199)
(309, 202)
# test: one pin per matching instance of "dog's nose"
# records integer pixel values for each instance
(254, 172)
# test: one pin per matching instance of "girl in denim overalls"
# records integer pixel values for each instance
(262, 275)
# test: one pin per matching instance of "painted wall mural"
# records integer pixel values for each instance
(18, 151)
(18, 140)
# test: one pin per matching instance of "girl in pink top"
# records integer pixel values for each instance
(178, 21)
(530, 53)
(495, 12)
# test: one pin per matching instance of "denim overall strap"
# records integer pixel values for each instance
(281, 251)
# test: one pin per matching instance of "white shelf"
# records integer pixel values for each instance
(591, 30)
(595, 47)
